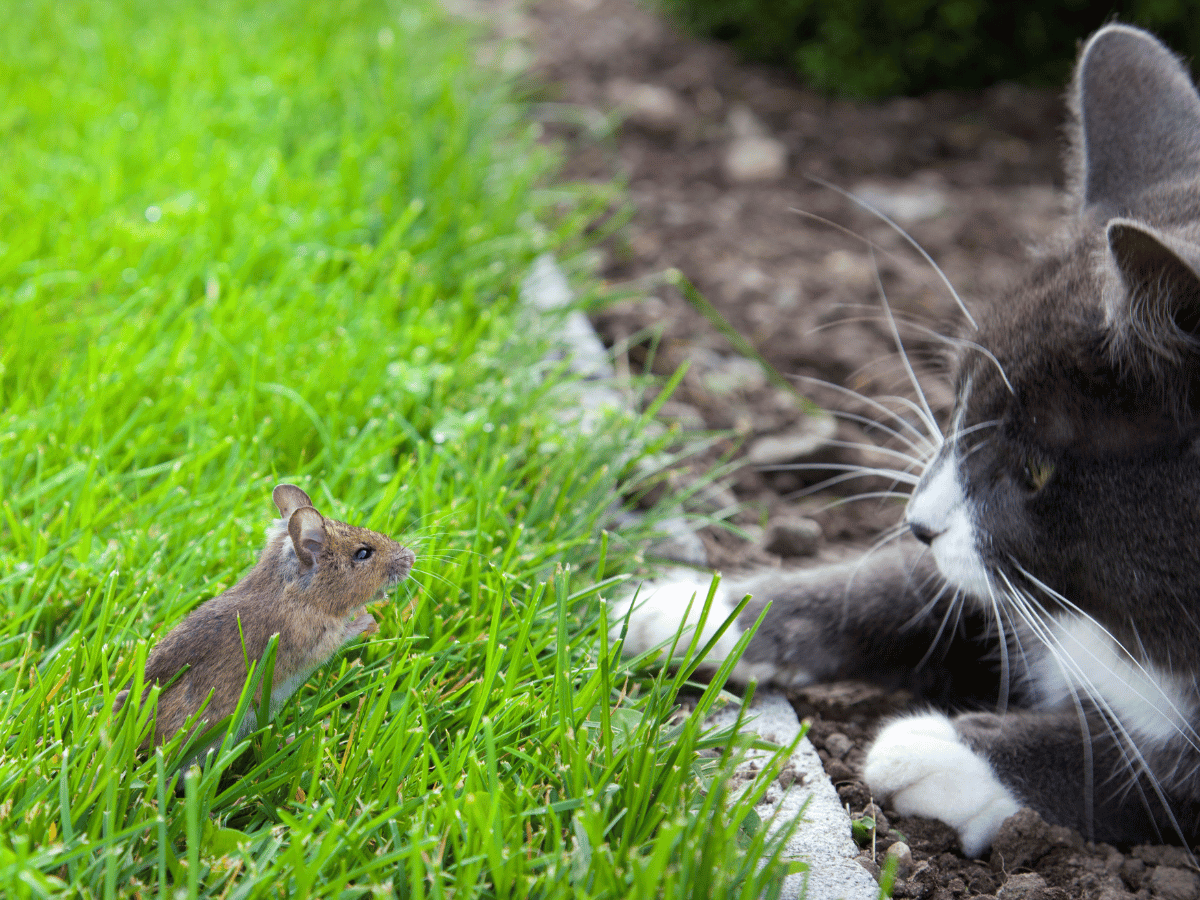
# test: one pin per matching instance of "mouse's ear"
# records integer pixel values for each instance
(289, 498)
(307, 530)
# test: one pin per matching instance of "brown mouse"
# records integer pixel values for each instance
(310, 586)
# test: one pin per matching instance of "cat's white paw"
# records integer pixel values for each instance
(922, 764)
(661, 610)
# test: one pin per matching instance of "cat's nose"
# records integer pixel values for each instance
(922, 533)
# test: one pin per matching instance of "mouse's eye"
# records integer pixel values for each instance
(363, 553)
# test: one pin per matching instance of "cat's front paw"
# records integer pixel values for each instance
(922, 764)
(661, 608)
(672, 605)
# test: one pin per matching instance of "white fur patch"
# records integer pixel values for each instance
(660, 612)
(939, 504)
(1150, 703)
(924, 767)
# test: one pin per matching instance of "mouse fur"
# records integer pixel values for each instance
(310, 586)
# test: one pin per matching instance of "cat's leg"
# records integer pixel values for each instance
(887, 617)
(974, 770)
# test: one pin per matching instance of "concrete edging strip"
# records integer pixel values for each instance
(822, 838)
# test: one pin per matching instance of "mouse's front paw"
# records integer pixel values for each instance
(923, 765)
(363, 623)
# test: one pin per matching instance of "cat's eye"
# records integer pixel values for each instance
(1037, 473)
(363, 553)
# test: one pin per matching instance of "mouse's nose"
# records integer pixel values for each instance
(922, 532)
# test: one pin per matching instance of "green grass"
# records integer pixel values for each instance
(244, 243)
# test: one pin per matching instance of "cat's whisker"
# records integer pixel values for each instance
(960, 342)
(1048, 636)
(1036, 617)
(924, 453)
(842, 501)
(925, 412)
(986, 442)
(848, 232)
(874, 448)
(1032, 613)
(960, 433)
(924, 443)
(918, 617)
(882, 541)
(1005, 672)
(1076, 675)
(953, 610)
(912, 242)
(852, 471)
(936, 438)
(1177, 716)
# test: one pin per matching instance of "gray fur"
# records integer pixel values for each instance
(1077, 469)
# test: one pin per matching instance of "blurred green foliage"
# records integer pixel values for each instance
(876, 48)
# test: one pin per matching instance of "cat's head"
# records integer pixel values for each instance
(1073, 457)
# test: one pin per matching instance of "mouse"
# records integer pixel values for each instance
(310, 586)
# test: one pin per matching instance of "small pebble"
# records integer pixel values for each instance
(838, 744)
(755, 159)
(1026, 886)
(1171, 883)
(794, 537)
(865, 860)
(838, 771)
(1133, 872)
(649, 106)
(903, 856)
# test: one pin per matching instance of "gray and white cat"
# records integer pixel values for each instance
(1053, 541)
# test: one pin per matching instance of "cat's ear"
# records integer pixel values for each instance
(1152, 294)
(1138, 118)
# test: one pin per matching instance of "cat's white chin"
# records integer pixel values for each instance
(926, 769)
(958, 561)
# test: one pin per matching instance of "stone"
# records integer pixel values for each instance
(1171, 883)
(1026, 886)
(1024, 838)
(838, 744)
(724, 375)
(822, 838)
(903, 205)
(755, 159)
(793, 537)
(839, 772)
(649, 106)
(903, 856)
(1133, 872)
(811, 436)
(1162, 855)
(868, 862)
(742, 122)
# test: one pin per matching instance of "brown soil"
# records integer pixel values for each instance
(798, 269)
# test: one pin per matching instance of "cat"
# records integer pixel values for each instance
(1052, 551)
